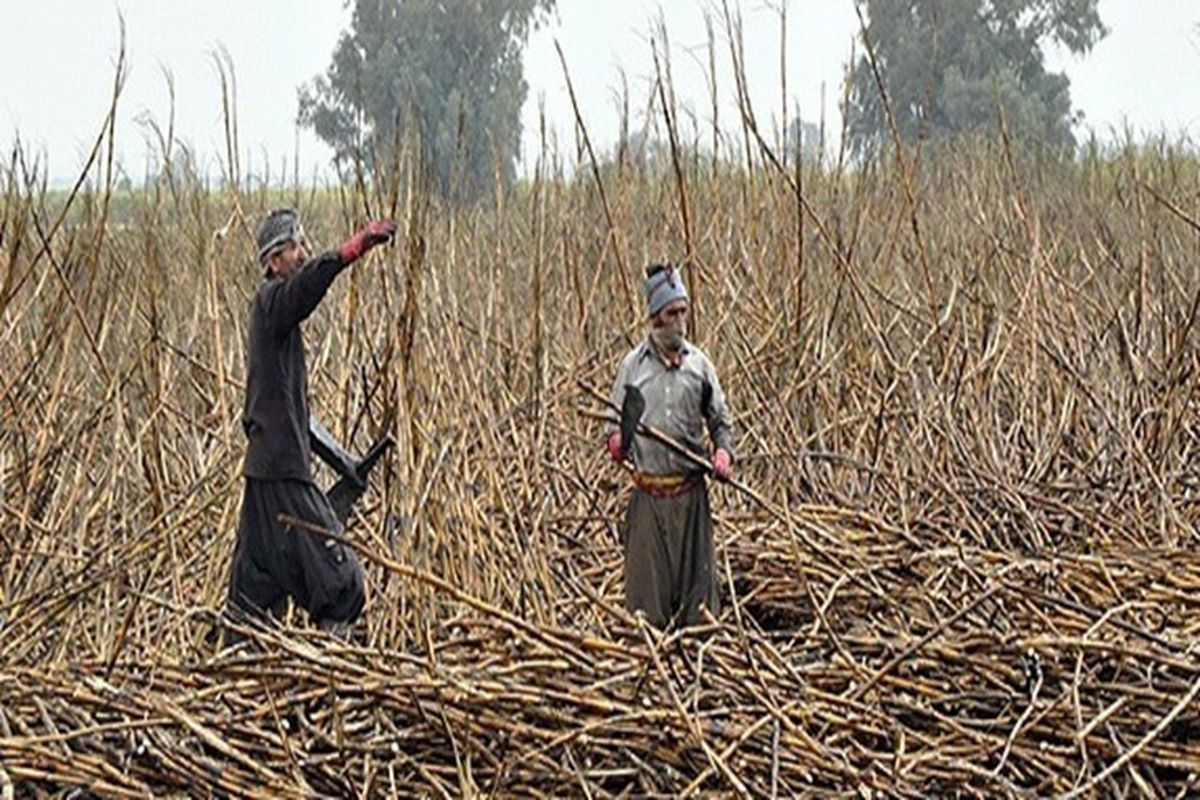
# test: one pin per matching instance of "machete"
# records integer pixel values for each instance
(632, 407)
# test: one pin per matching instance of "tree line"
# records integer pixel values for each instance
(446, 76)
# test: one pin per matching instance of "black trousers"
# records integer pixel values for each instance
(272, 561)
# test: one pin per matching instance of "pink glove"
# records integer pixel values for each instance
(614, 445)
(356, 246)
(722, 464)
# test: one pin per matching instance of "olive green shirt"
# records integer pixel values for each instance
(680, 402)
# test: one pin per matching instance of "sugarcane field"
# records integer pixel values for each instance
(702, 464)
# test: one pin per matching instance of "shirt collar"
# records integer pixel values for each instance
(649, 350)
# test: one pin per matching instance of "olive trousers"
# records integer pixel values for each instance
(668, 546)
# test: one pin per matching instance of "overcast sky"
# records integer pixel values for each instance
(58, 56)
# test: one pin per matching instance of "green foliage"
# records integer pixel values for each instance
(446, 74)
(950, 66)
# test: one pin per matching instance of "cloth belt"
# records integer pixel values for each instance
(665, 485)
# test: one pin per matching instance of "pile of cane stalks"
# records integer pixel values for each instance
(963, 559)
(894, 664)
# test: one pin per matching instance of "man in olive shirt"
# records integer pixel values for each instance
(668, 532)
(271, 562)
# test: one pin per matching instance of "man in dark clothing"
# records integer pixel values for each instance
(668, 533)
(271, 562)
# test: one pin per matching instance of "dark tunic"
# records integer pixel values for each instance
(275, 417)
(270, 561)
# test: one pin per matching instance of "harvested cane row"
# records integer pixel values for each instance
(1002, 677)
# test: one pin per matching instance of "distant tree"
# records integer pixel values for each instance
(641, 150)
(947, 64)
(807, 138)
(448, 71)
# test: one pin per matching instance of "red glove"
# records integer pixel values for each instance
(356, 246)
(614, 445)
(722, 464)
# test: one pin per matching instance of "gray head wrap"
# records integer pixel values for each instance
(279, 228)
(664, 285)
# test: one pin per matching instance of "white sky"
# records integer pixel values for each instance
(57, 59)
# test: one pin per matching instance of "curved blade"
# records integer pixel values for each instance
(631, 413)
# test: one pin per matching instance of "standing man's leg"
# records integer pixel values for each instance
(648, 572)
(273, 561)
(254, 588)
(698, 582)
(325, 576)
